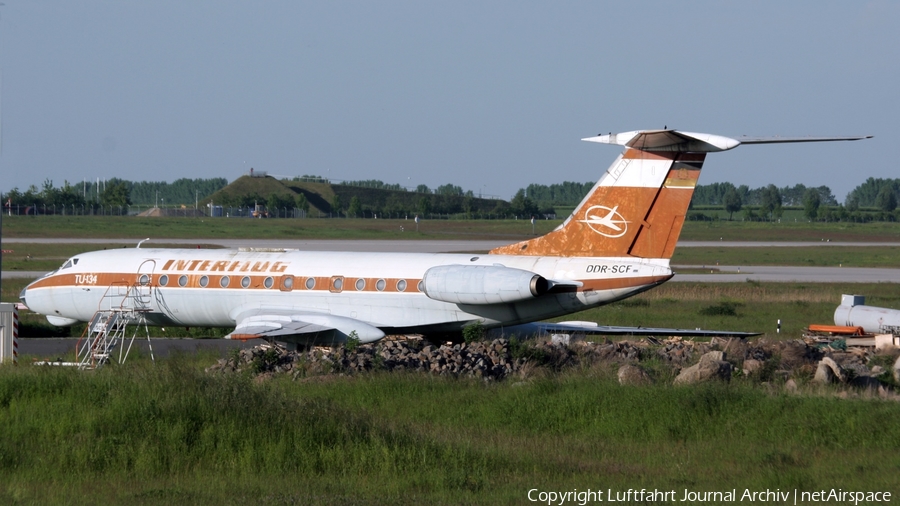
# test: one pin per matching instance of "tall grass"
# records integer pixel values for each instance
(168, 432)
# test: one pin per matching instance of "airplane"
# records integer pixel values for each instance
(617, 243)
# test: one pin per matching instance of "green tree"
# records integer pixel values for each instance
(468, 204)
(567, 193)
(115, 195)
(732, 202)
(50, 193)
(523, 206)
(770, 202)
(424, 206)
(355, 208)
(448, 189)
(886, 199)
(811, 202)
(867, 193)
(336, 205)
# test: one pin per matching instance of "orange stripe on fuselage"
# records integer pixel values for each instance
(322, 283)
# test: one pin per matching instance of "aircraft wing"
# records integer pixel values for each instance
(577, 327)
(301, 327)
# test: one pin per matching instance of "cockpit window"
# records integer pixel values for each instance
(69, 263)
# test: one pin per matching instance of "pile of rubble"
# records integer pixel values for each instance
(489, 360)
(684, 360)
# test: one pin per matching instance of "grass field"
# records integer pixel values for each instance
(168, 433)
(790, 231)
(314, 228)
(248, 228)
(808, 256)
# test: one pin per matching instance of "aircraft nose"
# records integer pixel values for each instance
(22, 295)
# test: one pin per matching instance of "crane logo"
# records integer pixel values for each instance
(606, 221)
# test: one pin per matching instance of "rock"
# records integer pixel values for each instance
(897, 370)
(824, 375)
(828, 371)
(711, 366)
(751, 366)
(714, 355)
(790, 385)
(633, 375)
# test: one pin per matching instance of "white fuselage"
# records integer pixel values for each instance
(212, 287)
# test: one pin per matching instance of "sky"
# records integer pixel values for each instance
(487, 95)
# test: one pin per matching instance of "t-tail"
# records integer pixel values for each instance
(638, 206)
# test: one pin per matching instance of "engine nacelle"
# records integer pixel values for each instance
(482, 284)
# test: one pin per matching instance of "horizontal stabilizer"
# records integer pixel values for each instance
(668, 140)
(691, 142)
(777, 140)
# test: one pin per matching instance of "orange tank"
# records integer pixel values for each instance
(837, 329)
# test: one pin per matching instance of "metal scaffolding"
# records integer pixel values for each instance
(123, 305)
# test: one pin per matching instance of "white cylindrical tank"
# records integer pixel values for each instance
(854, 313)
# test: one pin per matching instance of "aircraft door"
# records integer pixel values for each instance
(143, 285)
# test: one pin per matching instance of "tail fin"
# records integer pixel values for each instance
(638, 207)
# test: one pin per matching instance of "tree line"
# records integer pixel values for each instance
(875, 199)
(69, 199)
(114, 192)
